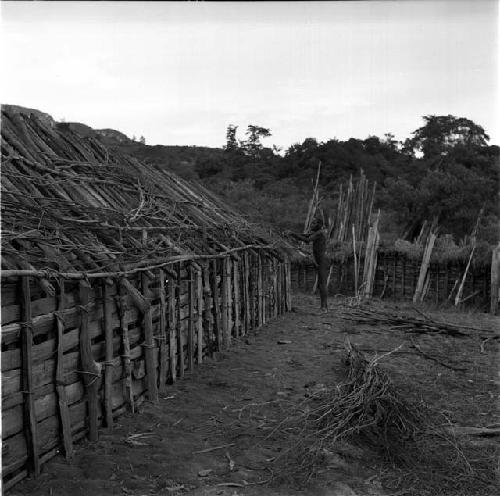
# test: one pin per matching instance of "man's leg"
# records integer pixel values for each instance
(322, 283)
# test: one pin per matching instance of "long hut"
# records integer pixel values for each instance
(117, 279)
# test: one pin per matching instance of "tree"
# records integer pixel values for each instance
(440, 133)
(253, 146)
(142, 140)
(231, 142)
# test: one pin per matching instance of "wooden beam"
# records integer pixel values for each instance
(172, 328)
(419, 290)
(275, 304)
(91, 370)
(224, 304)
(149, 344)
(108, 364)
(127, 364)
(30, 423)
(207, 309)
(163, 354)
(60, 384)
(252, 269)
(178, 327)
(199, 319)
(260, 293)
(236, 299)
(246, 296)
(229, 293)
(215, 307)
(288, 285)
(191, 298)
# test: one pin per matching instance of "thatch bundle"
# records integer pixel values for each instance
(70, 206)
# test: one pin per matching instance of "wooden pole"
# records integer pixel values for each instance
(229, 303)
(199, 318)
(163, 353)
(246, 293)
(370, 266)
(417, 297)
(172, 329)
(91, 370)
(191, 297)
(495, 280)
(30, 424)
(207, 308)
(274, 295)
(108, 364)
(260, 296)
(458, 296)
(224, 303)
(253, 291)
(178, 326)
(127, 364)
(60, 384)
(288, 286)
(215, 308)
(149, 344)
(236, 292)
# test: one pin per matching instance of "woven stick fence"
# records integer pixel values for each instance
(396, 277)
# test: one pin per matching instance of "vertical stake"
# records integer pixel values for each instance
(180, 336)
(215, 307)
(60, 385)
(127, 365)
(199, 318)
(163, 355)
(191, 297)
(149, 343)
(108, 370)
(27, 375)
(172, 329)
(90, 367)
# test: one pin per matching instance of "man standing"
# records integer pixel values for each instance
(318, 238)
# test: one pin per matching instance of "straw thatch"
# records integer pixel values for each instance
(70, 206)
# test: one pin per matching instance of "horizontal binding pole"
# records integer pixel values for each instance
(53, 274)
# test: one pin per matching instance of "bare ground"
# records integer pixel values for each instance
(213, 433)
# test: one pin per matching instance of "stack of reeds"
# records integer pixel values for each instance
(354, 208)
(314, 202)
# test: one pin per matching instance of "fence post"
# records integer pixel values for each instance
(27, 375)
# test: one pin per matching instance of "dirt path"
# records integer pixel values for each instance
(208, 435)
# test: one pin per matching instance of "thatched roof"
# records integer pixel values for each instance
(69, 205)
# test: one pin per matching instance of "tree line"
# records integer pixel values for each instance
(445, 170)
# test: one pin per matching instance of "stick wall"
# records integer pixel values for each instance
(74, 361)
(396, 277)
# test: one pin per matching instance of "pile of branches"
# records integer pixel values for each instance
(406, 323)
(368, 410)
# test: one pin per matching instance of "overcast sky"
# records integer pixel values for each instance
(179, 73)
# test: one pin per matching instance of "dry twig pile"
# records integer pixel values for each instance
(367, 409)
(418, 325)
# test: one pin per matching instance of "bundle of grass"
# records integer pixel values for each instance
(366, 409)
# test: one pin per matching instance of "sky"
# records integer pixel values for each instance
(179, 73)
